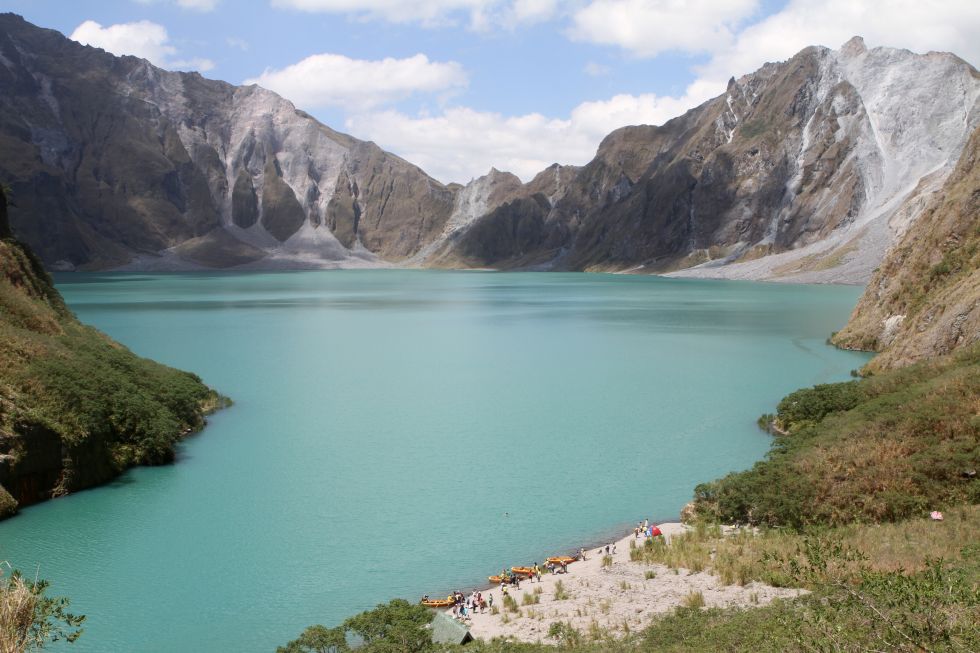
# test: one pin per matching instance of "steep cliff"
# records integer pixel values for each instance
(803, 170)
(116, 162)
(76, 408)
(924, 299)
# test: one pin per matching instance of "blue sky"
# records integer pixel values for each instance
(459, 85)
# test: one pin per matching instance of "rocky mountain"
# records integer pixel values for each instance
(76, 408)
(924, 299)
(113, 161)
(804, 170)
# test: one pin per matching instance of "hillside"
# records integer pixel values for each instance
(924, 299)
(804, 170)
(76, 408)
(117, 162)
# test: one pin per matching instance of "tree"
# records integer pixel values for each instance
(318, 639)
(394, 627)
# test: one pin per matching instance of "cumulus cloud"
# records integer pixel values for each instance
(462, 143)
(141, 39)
(918, 25)
(196, 5)
(481, 14)
(199, 5)
(324, 80)
(648, 27)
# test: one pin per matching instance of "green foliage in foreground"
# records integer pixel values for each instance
(394, 627)
(30, 620)
(880, 449)
(109, 408)
(103, 391)
(853, 606)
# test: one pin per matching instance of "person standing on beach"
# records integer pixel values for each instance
(581, 554)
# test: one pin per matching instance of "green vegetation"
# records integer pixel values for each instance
(839, 509)
(880, 449)
(29, 620)
(390, 627)
(63, 382)
(560, 592)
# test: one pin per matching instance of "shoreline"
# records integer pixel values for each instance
(590, 546)
(621, 598)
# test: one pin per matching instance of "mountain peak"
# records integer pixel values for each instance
(854, 47)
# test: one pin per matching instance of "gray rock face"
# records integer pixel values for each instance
(131, 165)
(804, 170)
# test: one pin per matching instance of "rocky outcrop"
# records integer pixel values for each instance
(115, 162)
(803, 170)
(76, 409)
(924, 299)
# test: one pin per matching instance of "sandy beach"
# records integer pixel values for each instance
(616, 599)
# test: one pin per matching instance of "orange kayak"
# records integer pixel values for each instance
(495, 579)
(561, 560)
(522, 571)
(437, 603)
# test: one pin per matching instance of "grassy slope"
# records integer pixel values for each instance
(59, 378)
(841, 502)
(883, 448)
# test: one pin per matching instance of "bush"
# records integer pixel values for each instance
(810, 405)
(882, 448)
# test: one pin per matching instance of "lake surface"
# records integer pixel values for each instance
(396, 433)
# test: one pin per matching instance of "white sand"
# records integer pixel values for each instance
(613, 598)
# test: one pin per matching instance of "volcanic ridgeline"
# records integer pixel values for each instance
(803, 170)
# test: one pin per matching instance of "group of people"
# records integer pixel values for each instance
(610, 549)
(465, 607)
(646, 529)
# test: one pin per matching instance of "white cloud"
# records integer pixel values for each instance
(918, 25)
(481, 14)
(462, 143)
(239, 43)
(646, 28)
(196, 5)
(141, 39)
(323, 80)
(199, 5)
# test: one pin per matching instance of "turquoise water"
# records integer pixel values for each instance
(405, 432)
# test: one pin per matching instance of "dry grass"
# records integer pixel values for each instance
(694, 600)
(745, 555)
(17, 613)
